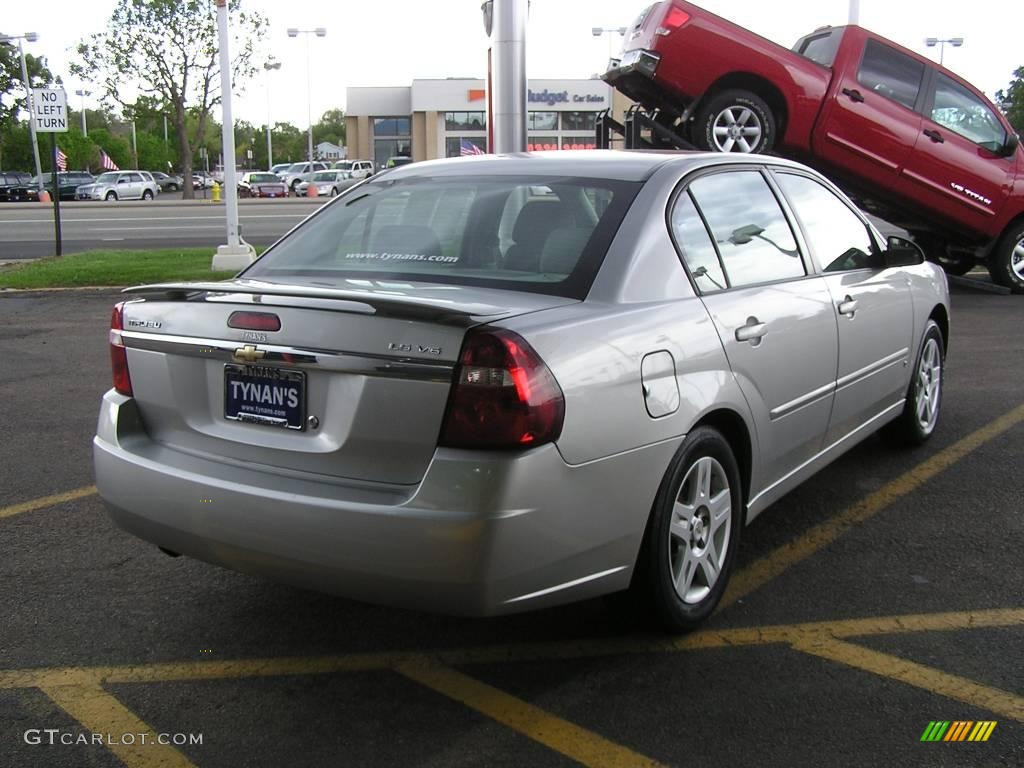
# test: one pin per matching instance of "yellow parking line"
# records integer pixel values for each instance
(918, 675)
(820, 536)
(103, 714)
(46, 501)
(573, 741)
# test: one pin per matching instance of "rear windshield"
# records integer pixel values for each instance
(820, 48)
(538, 234)
(325, 176)
(264, 178)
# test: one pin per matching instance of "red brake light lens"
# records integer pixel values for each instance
(504, 396)
(675, 17)
(255, 321)
(118, 353)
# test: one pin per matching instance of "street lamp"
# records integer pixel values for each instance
(30, 37)
(83, 94)
(319, 32)
(610, 31)
(269, 66)
(931, 42)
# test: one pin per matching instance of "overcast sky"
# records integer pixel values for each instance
(390, 43)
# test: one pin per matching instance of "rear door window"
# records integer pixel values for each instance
(538, 234)
(696, 247)
(750, 230)
(891, 73)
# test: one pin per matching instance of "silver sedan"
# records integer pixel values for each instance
(486, 385)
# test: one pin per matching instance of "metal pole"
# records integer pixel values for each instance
(228, 129)
(135, 148)
(85, 131)
(270, 146)
(56, 194)
(31, 115)
(165, 130)
(510, 75)
(309, 100)
(854, 17)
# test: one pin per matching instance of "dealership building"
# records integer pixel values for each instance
(440, 118)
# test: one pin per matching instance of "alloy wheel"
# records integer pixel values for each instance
(699, 529)
(737, 129)
(1017, 259)
(929, 386)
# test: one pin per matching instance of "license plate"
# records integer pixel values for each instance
(260, 394)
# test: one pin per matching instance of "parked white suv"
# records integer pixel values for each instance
(354, 169)
(300, 172)
(120, 185)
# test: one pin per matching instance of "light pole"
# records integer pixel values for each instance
(319, 32)
(610, 31)
(83, 94)
(31, 37)
(269, 66)
(931, 42)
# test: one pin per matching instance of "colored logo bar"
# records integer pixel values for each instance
(958, 730)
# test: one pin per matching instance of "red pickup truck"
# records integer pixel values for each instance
(904, 136)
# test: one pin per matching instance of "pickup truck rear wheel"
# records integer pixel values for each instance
(1006, 263)
(735, 121)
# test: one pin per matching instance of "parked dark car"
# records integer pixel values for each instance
(202, 180)
(9, 180)
(167, 183)
(904, 136)
(261, 184)
(69, 182)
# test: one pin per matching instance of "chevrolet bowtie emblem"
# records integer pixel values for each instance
(249, 354)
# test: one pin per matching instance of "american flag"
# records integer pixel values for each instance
(62, 160)
(469, 148)
(107, 163)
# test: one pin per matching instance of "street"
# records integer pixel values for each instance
(880, 596)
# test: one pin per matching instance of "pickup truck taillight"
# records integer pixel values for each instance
(118, 353)
(675, 17)
(504, 395)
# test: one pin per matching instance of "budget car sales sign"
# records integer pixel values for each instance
(50, 110)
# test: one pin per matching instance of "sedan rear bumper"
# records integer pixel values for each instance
(483, 533)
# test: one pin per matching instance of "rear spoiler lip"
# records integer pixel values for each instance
(421, 308)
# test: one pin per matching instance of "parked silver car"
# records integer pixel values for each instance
(328, 183)
(487, 385)
(120, 185)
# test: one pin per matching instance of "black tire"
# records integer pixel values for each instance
(1006, 262)
(111, 196)
(172, 187)
(147, 195)
(743, 109)
(909, 428)
(662, 553)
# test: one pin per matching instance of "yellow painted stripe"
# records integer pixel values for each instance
(491, 654)
(101, 713)
(976, 731)
(917, 675)
(820, 536)
(576, 743)
(46, 501)
(988, 731)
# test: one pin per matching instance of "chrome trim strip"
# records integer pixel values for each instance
(800, 402)
(294, 357)
(566, 585)
(872, 369)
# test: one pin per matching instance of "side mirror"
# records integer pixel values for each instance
(1012, 142)
(900, 252)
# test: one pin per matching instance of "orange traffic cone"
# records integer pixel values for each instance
(44, 196)
(311, 190)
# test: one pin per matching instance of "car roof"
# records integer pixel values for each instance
(627, 165)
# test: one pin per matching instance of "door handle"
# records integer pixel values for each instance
(854, 94)
(848, 306)
(934, 135)
(753, 331)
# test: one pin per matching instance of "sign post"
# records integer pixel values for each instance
(50, 115)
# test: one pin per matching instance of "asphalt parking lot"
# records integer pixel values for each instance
(884, 595)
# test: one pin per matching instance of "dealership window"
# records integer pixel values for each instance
(391, 138)
(579, 121)
(542, 143)
(579, 142)
(391, 126)
(542, 121)
(465, 121)
(453, 144)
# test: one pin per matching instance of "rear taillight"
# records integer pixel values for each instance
(504, 396)
(118, 354)
(675, 17)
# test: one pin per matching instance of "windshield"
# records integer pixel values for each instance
(107, 178)
(297, 168)
(539, 234)
(343, 166)
(264, 178)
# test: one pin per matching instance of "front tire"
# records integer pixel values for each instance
(920, 415)
(693, 533)
(1006, 263)
(110, 196)
(735, 121)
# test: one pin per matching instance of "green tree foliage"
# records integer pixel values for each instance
(1013, 100)
(330, 127)
(168, 48)
(12, 91)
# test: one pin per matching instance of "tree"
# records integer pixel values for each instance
(1012, 100)
(330, 127)
(12, 90)
(169, 49)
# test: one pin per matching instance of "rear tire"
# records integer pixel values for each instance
(147, 195)
(1006, 262)
(920, 415)
(735, 121)
(693, 532)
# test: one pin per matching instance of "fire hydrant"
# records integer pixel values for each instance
(216, 193)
